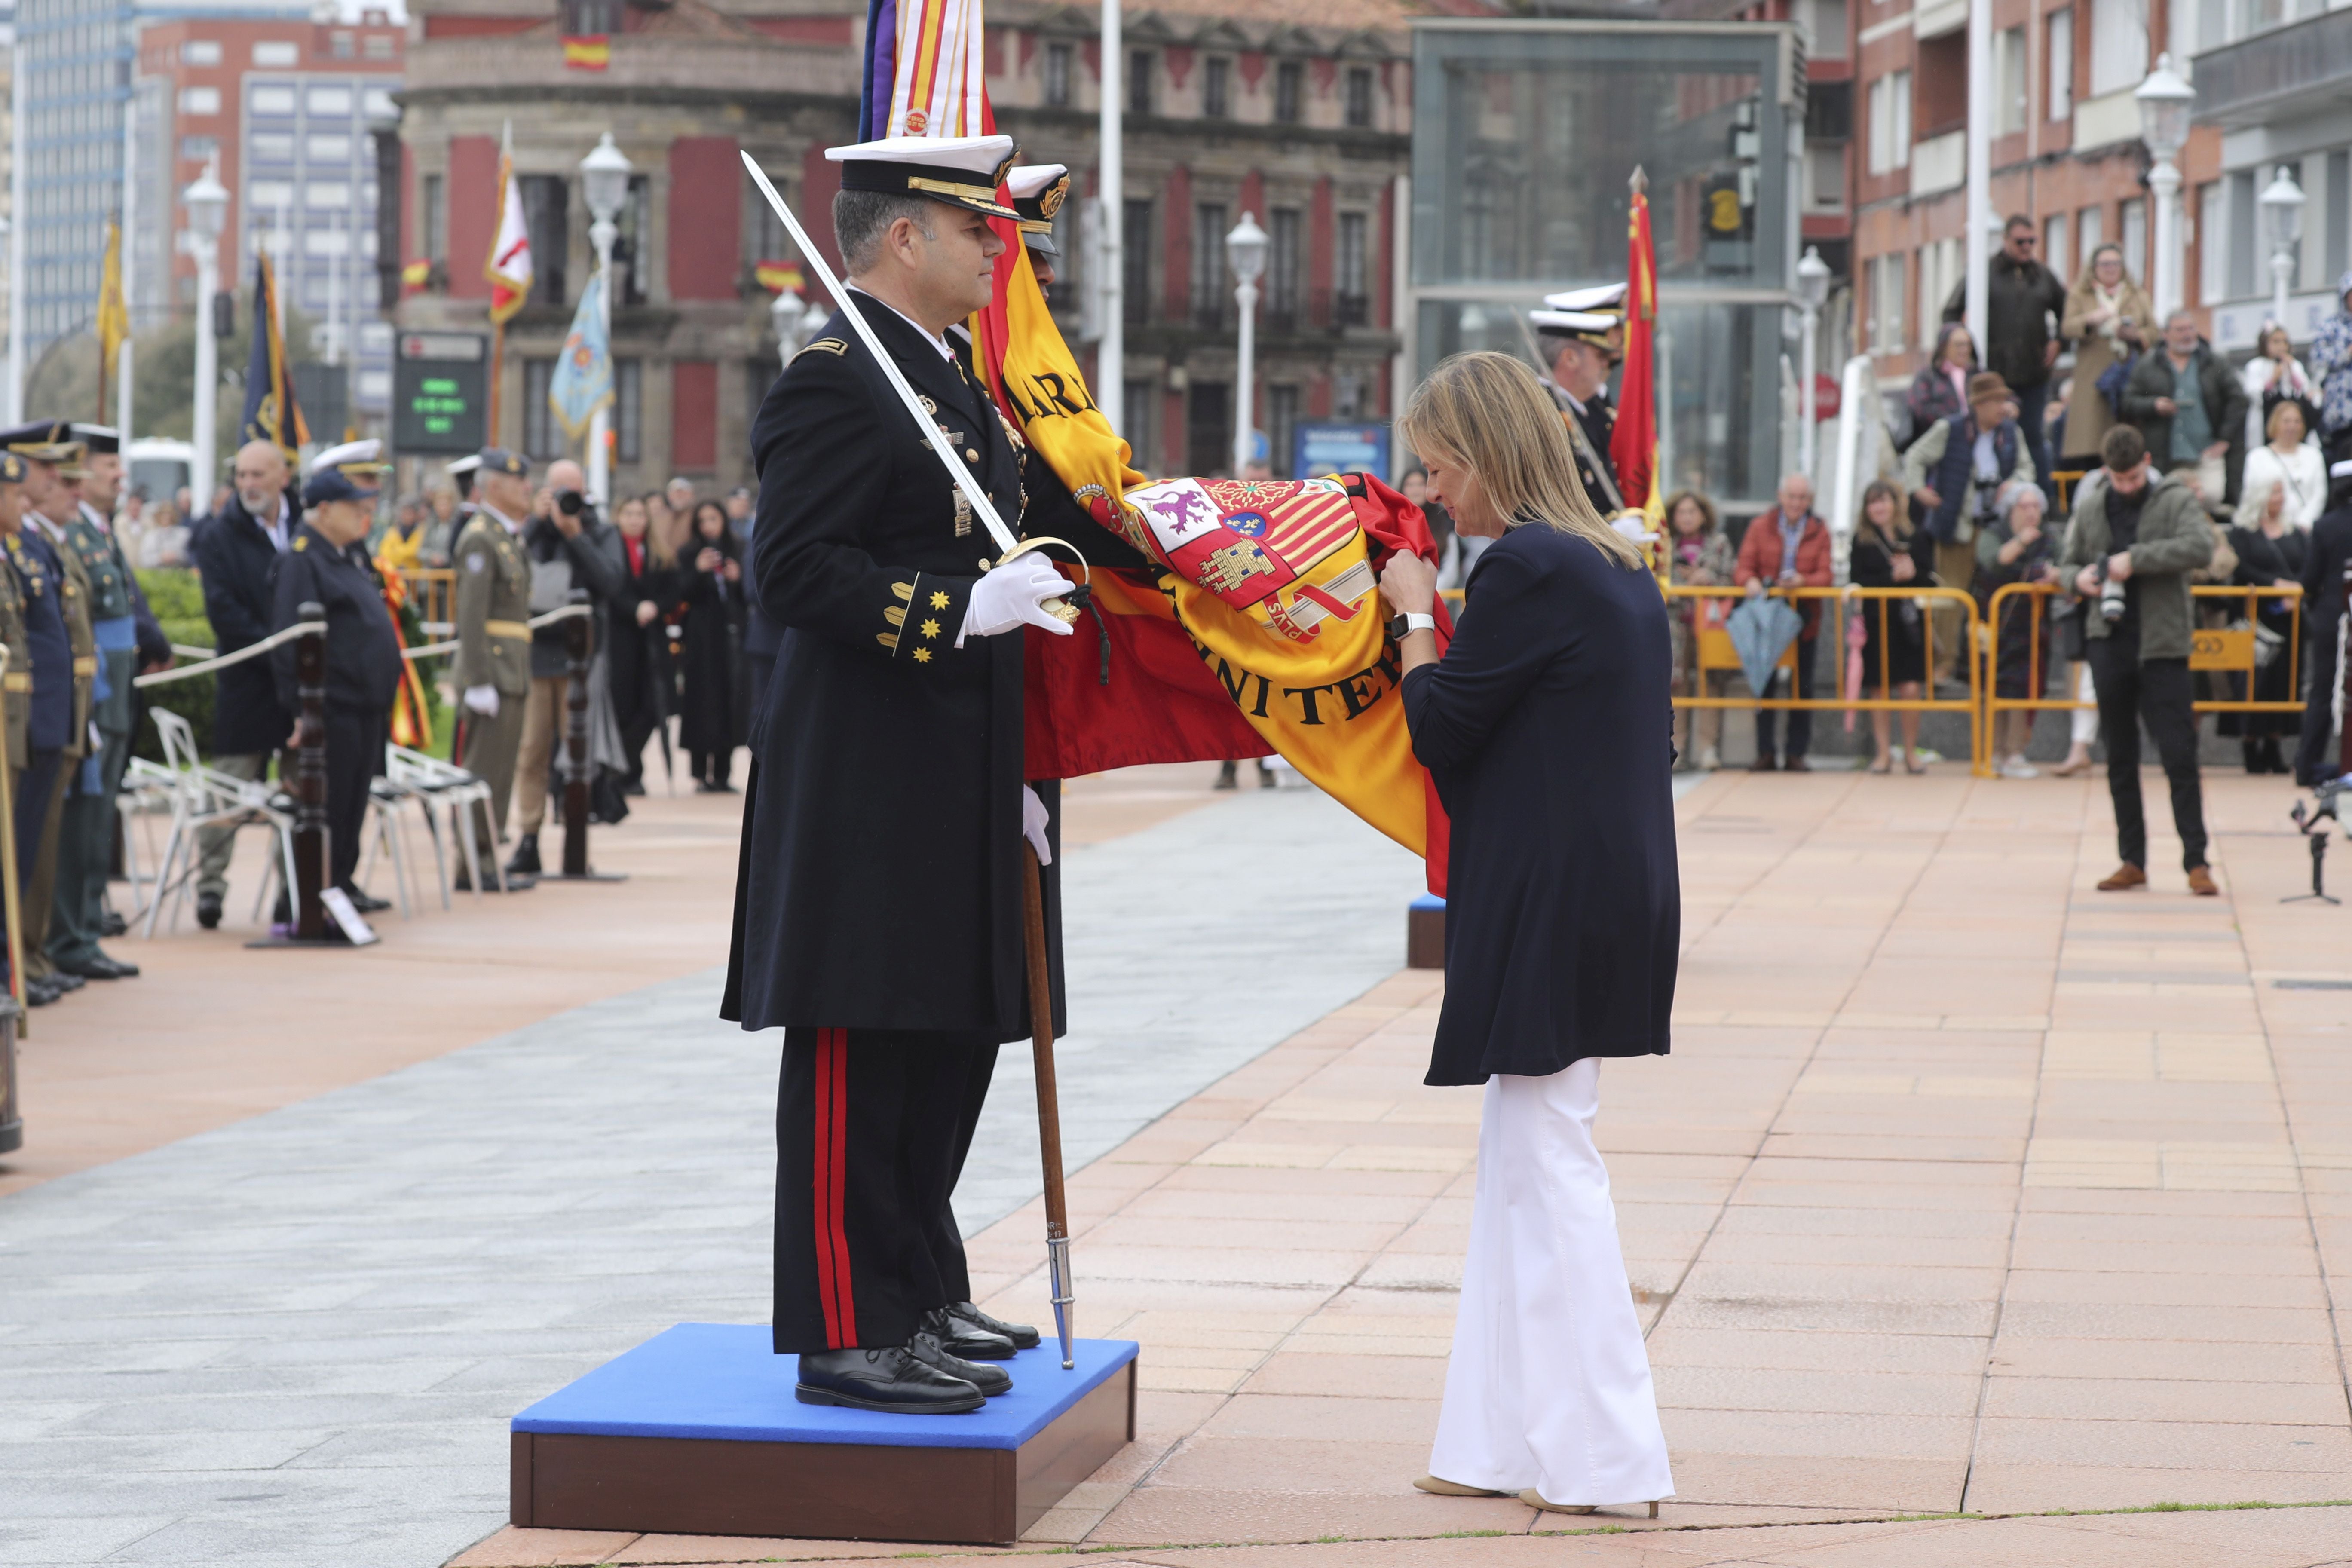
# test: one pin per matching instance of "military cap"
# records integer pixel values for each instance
(1038, 191)
(98, 438)
(12, 468)
(499, 461)
(348, 472)
(962, 171)
(1607, 296)
(43, 441)
(465, 464)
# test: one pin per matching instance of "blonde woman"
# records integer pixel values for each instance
(2289, 462)
(2109, 318)
(1546, 726)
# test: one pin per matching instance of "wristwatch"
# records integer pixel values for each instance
(1404, 625)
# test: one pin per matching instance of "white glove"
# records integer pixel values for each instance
(483, 700)
(1033, 825)
(1010, 596)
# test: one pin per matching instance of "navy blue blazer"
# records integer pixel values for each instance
(1549, 730)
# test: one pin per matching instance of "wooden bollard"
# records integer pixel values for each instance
(310, 777)
(579, 650)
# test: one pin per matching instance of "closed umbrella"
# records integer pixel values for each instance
(1761, 630)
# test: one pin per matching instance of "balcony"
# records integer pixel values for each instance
(2276, 74)
(1939, 163)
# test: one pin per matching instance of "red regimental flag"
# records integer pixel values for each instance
(1634, 447)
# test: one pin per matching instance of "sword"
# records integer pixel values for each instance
(981, 506)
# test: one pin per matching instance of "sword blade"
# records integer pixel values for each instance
(981, 504)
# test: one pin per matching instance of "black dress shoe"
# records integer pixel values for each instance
(208, 911)
(40, 992)
(525, 862)
(1023, 1336)
(363, 903)
(890, 1379)
(66, 982)
(516, 883)
(99, 966)
(965, 1341)
(926, 1347)
(113, 924)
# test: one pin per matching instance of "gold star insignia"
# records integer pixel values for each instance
(938, 601)
(930, 628)
(922, 656)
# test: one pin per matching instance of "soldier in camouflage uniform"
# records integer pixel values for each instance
(493, 617)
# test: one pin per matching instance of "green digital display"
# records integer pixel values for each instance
(440, 392)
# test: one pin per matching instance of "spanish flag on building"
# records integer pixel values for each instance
(587, 51)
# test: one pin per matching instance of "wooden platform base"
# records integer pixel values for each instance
(1425, 933)
(696, 1433)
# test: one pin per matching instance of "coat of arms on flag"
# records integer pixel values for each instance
(583, 381)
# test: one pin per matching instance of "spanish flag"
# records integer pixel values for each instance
(1633, 444)
(587, 51)
(414, 275)
(113, 320)
(776, 276)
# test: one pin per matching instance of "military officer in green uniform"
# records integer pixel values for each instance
(493, 617)
(40, 683)
(85, 848)
(17, 683)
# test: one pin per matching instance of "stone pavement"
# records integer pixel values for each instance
(1968, 1189)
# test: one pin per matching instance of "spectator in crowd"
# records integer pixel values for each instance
(2015, 548)
(1414, 488)
(1699, 555)
(235, 552)
(739, 512)
(664, 523)
(2331, 367)
(2143, 533)
(1560, 943)
(402, 549)
(2271, 551)
(570, 548)
(680, 493)
(2289, 462)
(2109, 319)
(2272, 376)
(2323, 613)
(1941, 388)
(639, 650)
(2189, 410)
(711, 723)
(1955, 473)
(441, 524)
(1789, 547)
(2022, 301)
(1888, 553)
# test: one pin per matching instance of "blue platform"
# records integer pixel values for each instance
(724, 1381)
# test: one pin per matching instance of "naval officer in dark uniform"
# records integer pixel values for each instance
(878, 907)
(364, 663)
(1584, 333)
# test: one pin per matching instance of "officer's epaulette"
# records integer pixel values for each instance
(826, 345)
(302, 542)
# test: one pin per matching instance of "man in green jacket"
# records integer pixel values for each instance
(2141, 533)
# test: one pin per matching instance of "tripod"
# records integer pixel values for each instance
(2311, 822)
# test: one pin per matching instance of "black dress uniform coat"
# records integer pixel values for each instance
(364, 671)
(882, 870)
(1591, 429)
(235, 557)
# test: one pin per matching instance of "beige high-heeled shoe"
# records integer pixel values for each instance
(1438, 1487)
(1535, 1498)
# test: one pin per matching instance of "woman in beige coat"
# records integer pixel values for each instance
(2107, 316)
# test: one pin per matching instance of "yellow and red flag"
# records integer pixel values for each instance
(1633, 444)
(776, 276)
(587, 51)
(415, 276)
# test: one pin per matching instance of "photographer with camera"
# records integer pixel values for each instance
(2134, 538)
(570, 547)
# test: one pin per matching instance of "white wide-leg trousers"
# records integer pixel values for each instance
(1549, 1383)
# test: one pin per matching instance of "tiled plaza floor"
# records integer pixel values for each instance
(1968, 1189)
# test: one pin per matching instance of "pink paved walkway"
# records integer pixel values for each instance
(1966, 1189)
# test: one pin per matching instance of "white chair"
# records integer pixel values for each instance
(385, 797)
(204, 797)
(436, 785)
(147, 792)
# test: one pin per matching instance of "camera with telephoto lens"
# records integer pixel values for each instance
(569, 502)
(2111, 597)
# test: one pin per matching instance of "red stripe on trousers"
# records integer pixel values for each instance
(829, 1188)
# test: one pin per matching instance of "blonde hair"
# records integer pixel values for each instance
(1488, 413)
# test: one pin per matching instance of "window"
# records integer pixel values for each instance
(590, 19)
(1354, 305)
(1057, 75)
(200, 100)
(376, 103)
(277, 53)
(2213, 254)
(2131, 228)
(1826, 176)
(1886, 275)
(1890, 122)
(199, 148)
(2118, 47)
(1281, 255)
(1360, 98)
(336, 100)
(628, 410)
(1135, 261)
(431, 218)
(1139, 82)
(1135, 404)
(2242, 239)
(273, 100)
(380, 47)
(545, 213)
(1208, 427)
(2059, 96)
(1289, 90)
(341, 45)
(1826, 26)
(264, 195)
(1209, 226)
(764, 238)
(329, 196)
(1217, 90)
(2336, 253)
(2009, 106)
(2056, 255)
(326, 242)
(543, 438)
(200, 52)
(1281, 427)
(330, 149)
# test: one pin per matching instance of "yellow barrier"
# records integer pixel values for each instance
(433, 590)
(1715, 653)
(2222, 649)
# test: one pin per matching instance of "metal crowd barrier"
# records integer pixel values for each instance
(2217, 649)
(1716, 654)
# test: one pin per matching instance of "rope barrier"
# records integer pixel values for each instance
(206, 663)
(433, 649)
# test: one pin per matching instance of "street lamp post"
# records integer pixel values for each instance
(2164, 101)
(1246, 249)
(2281, 204)
(604, 179)
(784, 314)
(1812, 293)
(207, 204)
